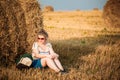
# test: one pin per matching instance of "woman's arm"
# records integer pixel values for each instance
(37, 55)
(52, 53)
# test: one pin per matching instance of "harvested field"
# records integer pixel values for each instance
(89, 49)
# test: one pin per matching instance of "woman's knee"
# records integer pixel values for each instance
(56, 58)
(45, 60)
(48, 59)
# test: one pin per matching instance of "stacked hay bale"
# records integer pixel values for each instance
(20, 20)
(48, 9)
(33, 18)
(112, 13)
(95, 9)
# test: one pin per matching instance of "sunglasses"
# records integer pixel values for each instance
(41, 38)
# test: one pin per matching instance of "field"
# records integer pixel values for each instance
(88, 48)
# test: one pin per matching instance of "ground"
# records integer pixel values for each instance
(88, 48)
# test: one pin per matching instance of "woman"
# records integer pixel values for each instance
(44, 55)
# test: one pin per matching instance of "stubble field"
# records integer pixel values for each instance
(88, 48)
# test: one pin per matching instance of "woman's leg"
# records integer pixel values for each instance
(43, 62)
(50, 63)
(58, 63)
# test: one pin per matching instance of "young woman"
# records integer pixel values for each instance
(44, 55)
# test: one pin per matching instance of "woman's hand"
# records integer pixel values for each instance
(55, 55)
(50, 56)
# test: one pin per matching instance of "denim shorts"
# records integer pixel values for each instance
(37, 63)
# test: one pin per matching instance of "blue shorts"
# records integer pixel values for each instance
(37, 63)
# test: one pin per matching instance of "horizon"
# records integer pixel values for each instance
(73, 5)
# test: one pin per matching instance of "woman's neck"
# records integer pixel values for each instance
(42, 46)
(41, 43)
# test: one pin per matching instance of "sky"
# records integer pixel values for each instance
(59, 5)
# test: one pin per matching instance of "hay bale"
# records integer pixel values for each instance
(48, 9)
(95, 9)
(19, 22)
(112, 13)
(33, 18)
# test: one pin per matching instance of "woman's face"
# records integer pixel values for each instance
(41, 39)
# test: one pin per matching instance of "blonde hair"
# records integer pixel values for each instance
(44, 33)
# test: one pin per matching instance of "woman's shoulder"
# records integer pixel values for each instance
(49, 44)
(35, 44)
